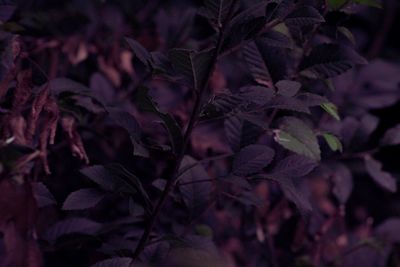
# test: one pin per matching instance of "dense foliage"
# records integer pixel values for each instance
(199, 133)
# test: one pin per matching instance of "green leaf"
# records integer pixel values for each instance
(333, 142)
(331, 109)
(296, 136)
(145, 103)
(349, 35)
(372, 3)
(204, 230)
(335, 4)
(193, 65)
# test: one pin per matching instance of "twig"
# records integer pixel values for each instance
(192, 121)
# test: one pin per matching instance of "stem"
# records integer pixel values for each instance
(192, 121)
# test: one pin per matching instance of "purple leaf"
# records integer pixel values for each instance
(342, 181)
(195, 191)
(72, 226)
(287, 103)
(293, 166)
(256, 95)
(140, 52)
(288, 88)
(294, 194)
(389, 230)
(101, 176)
(252, 159)
(392, 136)
(114, 262)
(303, 16)
(6, 12)
(382, 178)
(257, 66)
(126, 121)
(329, 60)
(42, 195)
(233, 131)
(193, 65)
(83, 199)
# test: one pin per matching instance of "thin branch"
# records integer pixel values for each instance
(192, 121)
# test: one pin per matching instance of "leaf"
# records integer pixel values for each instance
(42, 195)
(389, 230)
(292, 166)
(65, 85)
(392, 136)
(127, 182)
(218, 10)
(114, 262)
(193, 65)
(311, 100)
(252, 159)
(257, 65)
(115, 178)
(204, 230)
(256, 96)
(140, 52)
(296, 136)
(294, 194)
(233, 126)
(72, 95)
(100, 175)
(382, 178)
(349, 35)
(287, 103)
(83, 199)
(248, 198)
(276, 39)
(240, 132)
(303, 16)
(288, 88)
(330, 60)
(145, 103)
(280, 10)
(196, 195)
(333, 142)
(72, 226)
(6, 12)
(226, 102)
(336, 4)
(343, 182)
(244, 26)
(371, 3)
(130, 124)
(126, 121)
(331, 109)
